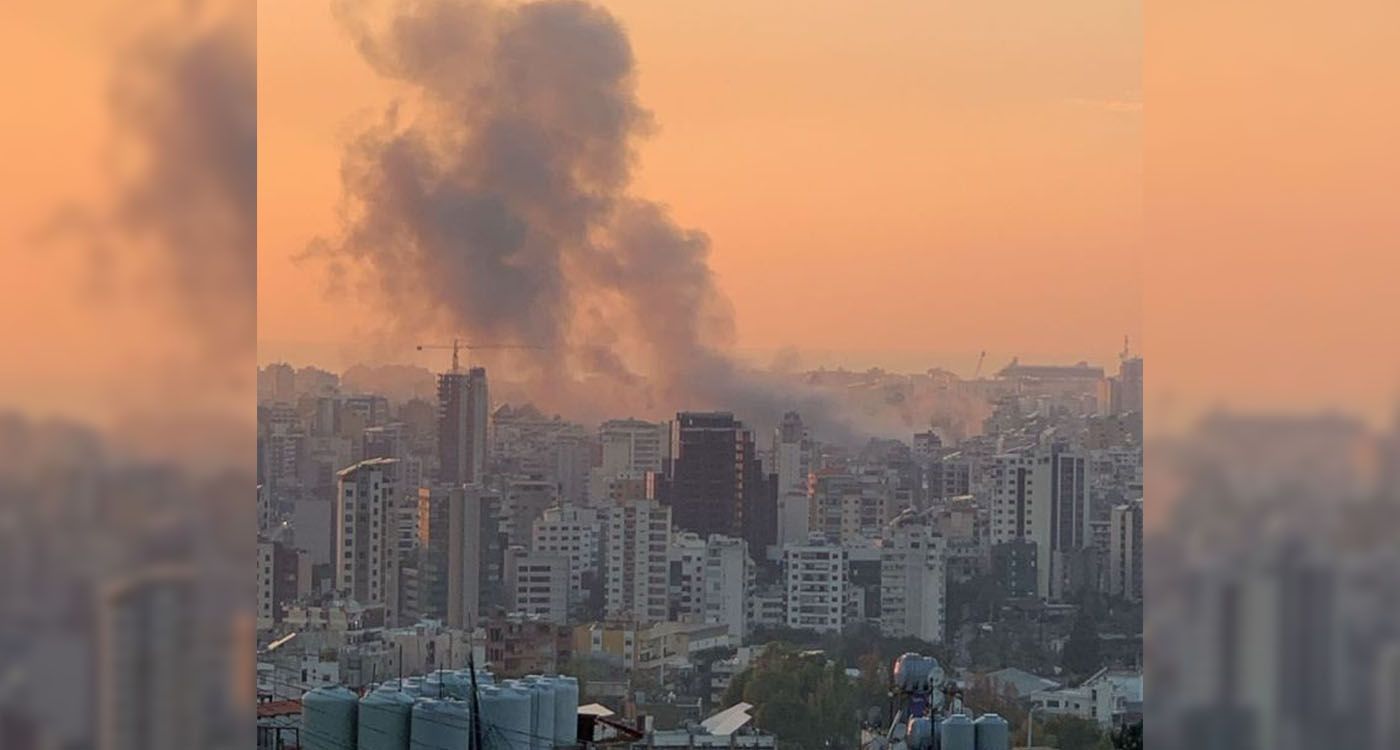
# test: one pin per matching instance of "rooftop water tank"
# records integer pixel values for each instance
(434, 685)
(328, 718)
(385, 715)
(992, 732)
(919, 733)
(956, 733)
(913, 672)
(505, 718)
(458, 682)
(566, 710)
(410, 685)
(439, 725)
(544, 718)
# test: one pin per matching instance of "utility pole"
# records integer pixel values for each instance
(475, 708)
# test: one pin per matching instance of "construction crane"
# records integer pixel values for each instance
(457, 345)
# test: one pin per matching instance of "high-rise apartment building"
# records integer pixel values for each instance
(850, 508)
(817, 579)
(464, 411)
(150, 650)
(283, 574)
(475, 556)
(633, 447)
(537, 584)
(913, 580)
(1041, 496)
(686, 577)
(717, 483)
(525, 501)
(366, 530)
(1125, 551)
(1125, 389)
(636, 538)
(794, 457)
(576, 534)
(728, 578)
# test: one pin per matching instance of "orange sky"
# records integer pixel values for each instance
(904, 186)
(82, 341)
(48, 157)
(939, 177)
(1271, 206)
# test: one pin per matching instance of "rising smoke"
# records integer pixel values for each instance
(495, 201)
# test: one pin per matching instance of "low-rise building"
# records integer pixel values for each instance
(1106, 695)
(612, 641)
(668, 645)
(518, 645)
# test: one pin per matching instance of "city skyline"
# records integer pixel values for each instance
(911, 225)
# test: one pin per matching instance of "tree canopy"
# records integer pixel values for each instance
(807, 701)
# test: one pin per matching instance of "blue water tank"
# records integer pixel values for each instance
(505, 718)
(410, 685)
(992, 732)
(511, 718)
(385, 716)
(544, 717)
(328, 718)
(439, 725)
(566, 710)
(434, 685)
(914, 672)
(957, 733)
(919, 733)
(457, 684)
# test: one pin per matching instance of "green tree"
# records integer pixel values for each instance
(1081, 655)
(1070, 733)
(1128, 737)
(588, 669)
(807, 701)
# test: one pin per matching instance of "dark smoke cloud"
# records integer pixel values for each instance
(494, 201)
(178, 226)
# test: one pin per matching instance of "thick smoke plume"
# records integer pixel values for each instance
(177, 225)
(494, 201)
(169, 239)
